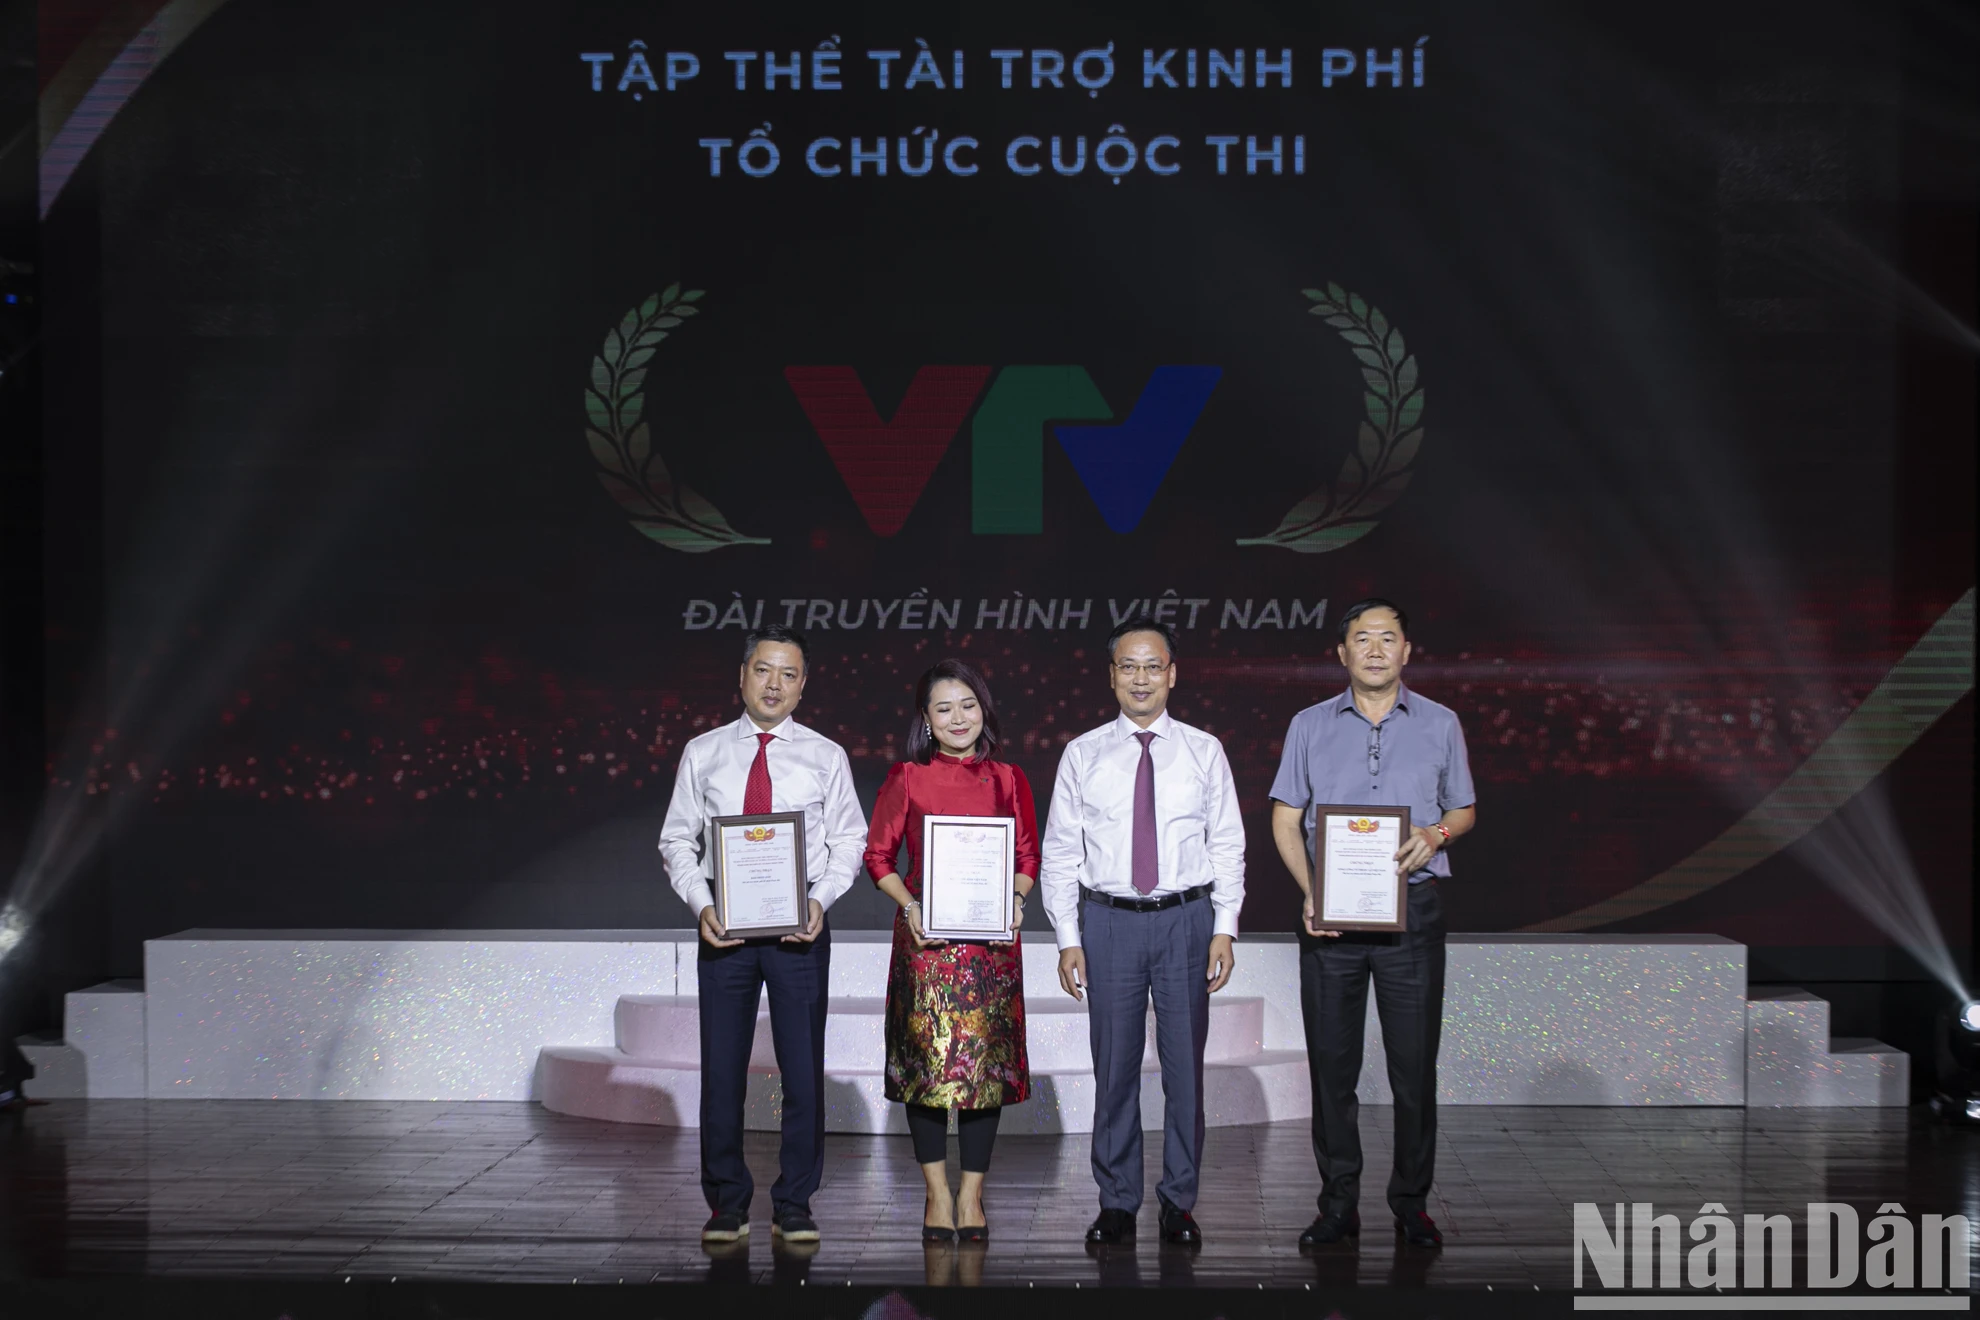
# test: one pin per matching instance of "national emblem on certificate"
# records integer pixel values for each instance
(1354, 865)
(760, 884)
(967, 879)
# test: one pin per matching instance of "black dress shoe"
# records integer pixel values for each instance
(1178, 1227)
(794, 1226)
(1419, 1230)
(724, 1227)
(1112, 1226)
(1331, 1227)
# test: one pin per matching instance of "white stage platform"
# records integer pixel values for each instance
(603, 1023)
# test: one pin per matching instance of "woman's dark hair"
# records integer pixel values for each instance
(921, 743)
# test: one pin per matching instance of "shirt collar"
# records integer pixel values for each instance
(1344, 704)
(1163, 727)
(746, 728)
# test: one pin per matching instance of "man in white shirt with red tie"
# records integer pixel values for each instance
(765, 761)
(1143, 876)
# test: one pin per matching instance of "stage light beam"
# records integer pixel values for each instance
(14, 928)
(1861, 854)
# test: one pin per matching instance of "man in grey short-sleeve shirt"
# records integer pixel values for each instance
(1377, 744)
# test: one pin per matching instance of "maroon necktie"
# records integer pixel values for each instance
(1144, 864)
(756, 793)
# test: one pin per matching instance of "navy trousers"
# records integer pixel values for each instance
(1131, 958)
(1408, 970)
(731, 980)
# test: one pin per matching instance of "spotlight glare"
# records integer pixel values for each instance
(13, 929)
(1969, 1016)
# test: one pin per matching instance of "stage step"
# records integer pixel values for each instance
(60, 1072)
(608, 1083)
(1791, 1062)
(652, 1073)
(105, 1023)
(666, 1029)
(100, 1052)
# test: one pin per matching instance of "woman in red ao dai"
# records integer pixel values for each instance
(955, 1011)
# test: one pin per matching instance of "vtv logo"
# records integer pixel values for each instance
(886, 465)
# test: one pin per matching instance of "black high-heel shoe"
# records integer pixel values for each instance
(931, 1234)
(977, 1233)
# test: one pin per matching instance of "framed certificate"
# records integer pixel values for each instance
(1354, 868)
(760, 885)
(968, 877)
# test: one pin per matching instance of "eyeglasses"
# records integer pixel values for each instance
(1140, 671)
(1374, 751)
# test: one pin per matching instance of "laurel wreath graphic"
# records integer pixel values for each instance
(1345, 509)
(663, 510)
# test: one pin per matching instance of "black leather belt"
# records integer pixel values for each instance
(1161, 904)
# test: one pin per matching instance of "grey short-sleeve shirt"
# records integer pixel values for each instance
(1414, 758)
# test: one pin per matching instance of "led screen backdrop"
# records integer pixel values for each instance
(467, 378)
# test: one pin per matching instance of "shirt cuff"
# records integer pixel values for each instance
(1068, 935)
(1226, 924)
(699, 896)
(831, 888)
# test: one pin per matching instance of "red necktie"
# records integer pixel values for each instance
(1144, 861)
(756, 793)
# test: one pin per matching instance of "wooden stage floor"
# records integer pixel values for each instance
(510, 1192)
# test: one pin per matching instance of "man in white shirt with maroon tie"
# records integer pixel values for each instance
(765, 761)
(1143, 877)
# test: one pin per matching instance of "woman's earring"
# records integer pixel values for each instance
(928, 728)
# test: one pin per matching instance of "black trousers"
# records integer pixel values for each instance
(976, 1133)
(730, 982)
(1408, 970)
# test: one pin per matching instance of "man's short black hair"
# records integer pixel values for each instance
(1142, 623)
(776, 632)
(1361, 607)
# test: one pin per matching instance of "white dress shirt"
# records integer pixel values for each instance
(1089, 837)
(808, 773)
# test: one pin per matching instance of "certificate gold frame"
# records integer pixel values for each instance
(725, 831)
(1395, 915)
(997, 924)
